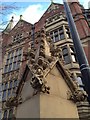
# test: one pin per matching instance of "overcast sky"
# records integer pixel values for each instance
(32, 10)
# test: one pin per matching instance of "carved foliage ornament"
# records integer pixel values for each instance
(77, 96)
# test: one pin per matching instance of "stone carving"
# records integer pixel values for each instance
(39, 85)
(77, 95)
(13, 101)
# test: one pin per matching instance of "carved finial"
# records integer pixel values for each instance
(21, 17)
(10, 25)
(12, 19)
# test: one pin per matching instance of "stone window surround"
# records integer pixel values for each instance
(13, 60)
(17, 37)
(70, 54)
(57, 33)
(10, 90)
(8, 114)
(62, 33)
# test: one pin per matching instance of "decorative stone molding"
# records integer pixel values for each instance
(39, 85)
(77, 96)
(39, 72)
(13, 101)
(55, 51)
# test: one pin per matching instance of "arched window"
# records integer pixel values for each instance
(10, 113)
(5, 114)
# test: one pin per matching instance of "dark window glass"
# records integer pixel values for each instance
(19, 57)
(8, 55)
(10, 84)
(16, 82)
(6, 86)
(15, 58)
(9, 92)
(2, 86)
(56, 38)
(10, 67)
(14, 65)
(67, 59)
(65, 51)
(6, 69)
(10, 113)
(5, 114)
(56, 32)
(12, 54)
(20, 51)
(51, 35)
(7, 62)
(14, 92)
(11, 60)
(16, 54)
(18, 65)
(66, 55)
(62, 36)
(4, 95)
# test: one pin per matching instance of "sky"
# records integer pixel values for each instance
(30, 9)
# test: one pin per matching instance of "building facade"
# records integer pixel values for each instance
(36, 55)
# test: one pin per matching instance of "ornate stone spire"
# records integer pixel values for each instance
(21, 17)
(10, 25)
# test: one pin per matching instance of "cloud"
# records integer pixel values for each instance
(33, 13)
(30, 14)
(86, 4)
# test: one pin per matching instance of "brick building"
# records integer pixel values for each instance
(34, 56)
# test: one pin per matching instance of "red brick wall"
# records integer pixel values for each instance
(40, 24)
(81, 23)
